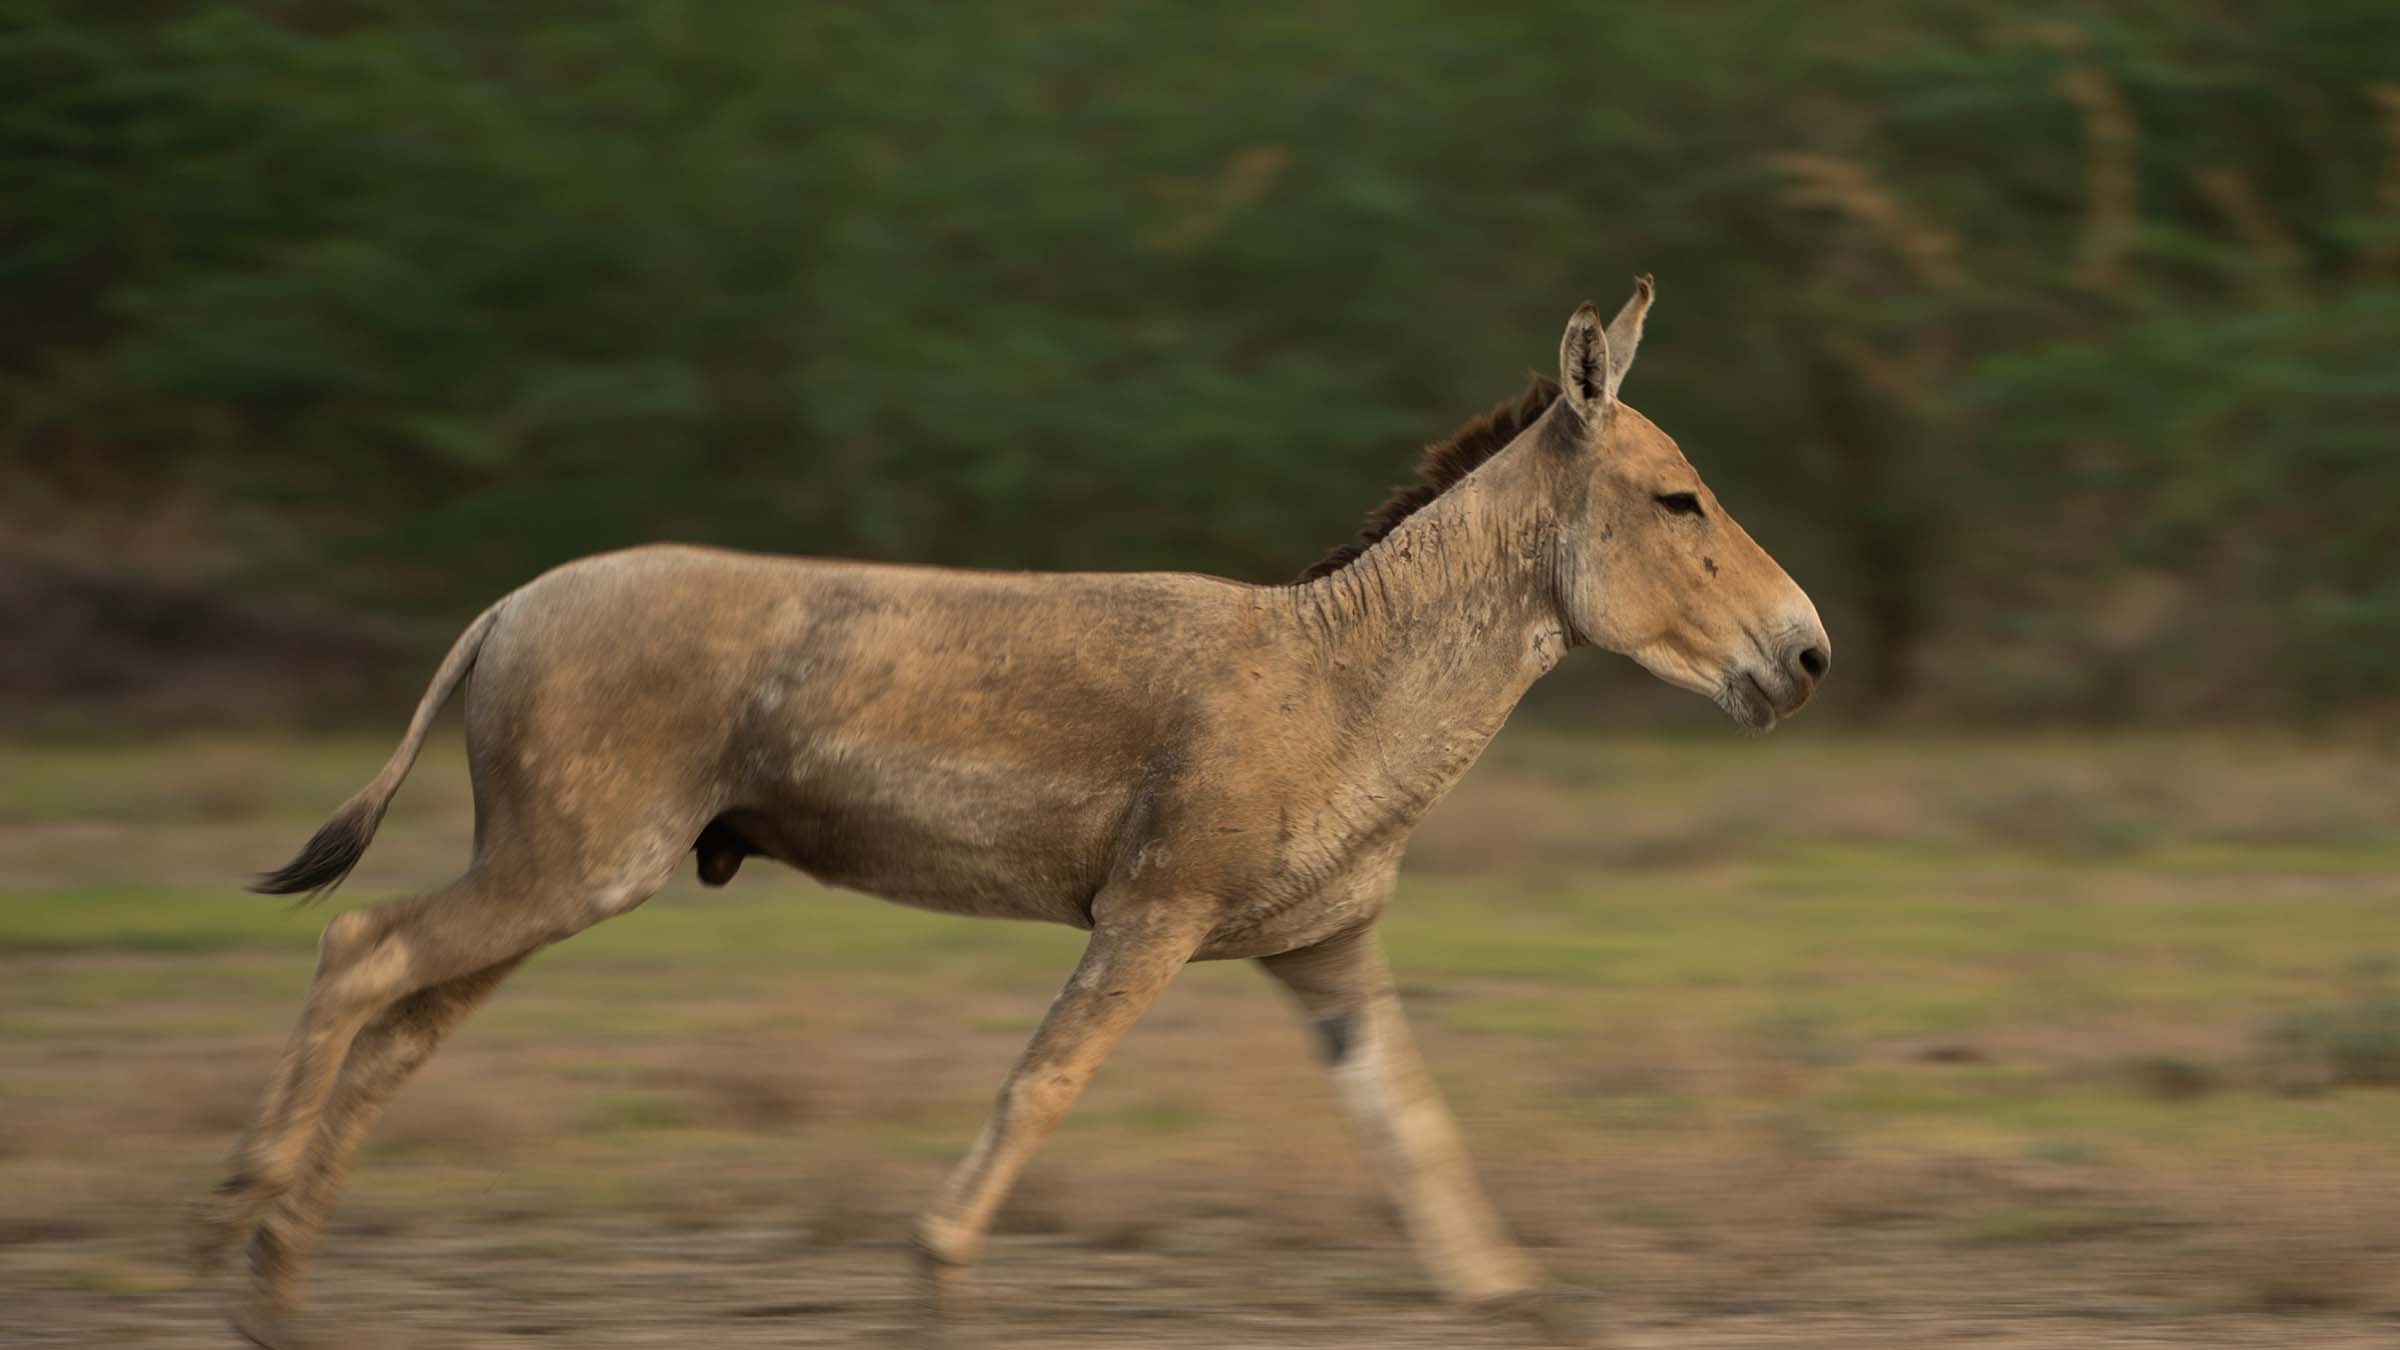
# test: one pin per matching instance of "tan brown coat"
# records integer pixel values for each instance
(1189, 768)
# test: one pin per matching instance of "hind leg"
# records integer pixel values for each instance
(369, 960)
(390, 1048)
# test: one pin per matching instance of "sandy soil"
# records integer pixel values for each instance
(607, 1286)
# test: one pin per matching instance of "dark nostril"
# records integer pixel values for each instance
(1813, 661)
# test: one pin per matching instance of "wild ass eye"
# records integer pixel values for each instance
(1681, 503)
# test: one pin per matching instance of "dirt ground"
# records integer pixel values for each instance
(759, 1287)
(2004, 1046)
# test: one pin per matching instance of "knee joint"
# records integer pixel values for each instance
(357, 961)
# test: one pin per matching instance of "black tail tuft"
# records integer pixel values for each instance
(328, 856)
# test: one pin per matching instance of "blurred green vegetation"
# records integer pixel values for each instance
(2053, 356)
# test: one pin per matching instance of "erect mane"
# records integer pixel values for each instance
(1443, 465)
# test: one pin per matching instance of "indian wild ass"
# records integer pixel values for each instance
(1189, 768)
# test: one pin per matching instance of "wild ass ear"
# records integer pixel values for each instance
(1625, 332)
(1592, 360)
(1583, 365)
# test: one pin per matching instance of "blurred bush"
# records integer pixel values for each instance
(2053, 357)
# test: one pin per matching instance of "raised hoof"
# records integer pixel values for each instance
(1555, 1316)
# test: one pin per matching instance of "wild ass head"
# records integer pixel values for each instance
(1649, 562)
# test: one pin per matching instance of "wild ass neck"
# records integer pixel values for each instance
(1428, 639)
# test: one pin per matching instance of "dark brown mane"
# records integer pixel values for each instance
(1443, 464)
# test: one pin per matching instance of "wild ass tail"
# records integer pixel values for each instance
(341, 841)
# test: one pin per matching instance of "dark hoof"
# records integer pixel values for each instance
(1555, 1316)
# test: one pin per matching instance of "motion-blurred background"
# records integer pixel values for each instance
(2040, 980)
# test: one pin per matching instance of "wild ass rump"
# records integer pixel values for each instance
(1188, 768)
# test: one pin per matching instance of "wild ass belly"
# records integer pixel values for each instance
(979, 836)
(1273, 920)
(939, 831)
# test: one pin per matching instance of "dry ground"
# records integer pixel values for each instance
(1811, 1041)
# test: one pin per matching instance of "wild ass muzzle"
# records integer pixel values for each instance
(1186, 767)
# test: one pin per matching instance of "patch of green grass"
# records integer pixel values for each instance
(211, 778)
(2063, 1152)
(151, 919)
(2031, 1225)
(1159, 1118)
(106, 1277)
(2217, 858)
(2351, 1043)
(1809, 1036)
(1548, 1018)
(1635, 1112)
(625, 1112)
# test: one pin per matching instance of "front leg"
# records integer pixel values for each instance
(1345, 988)
(1136, 947)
